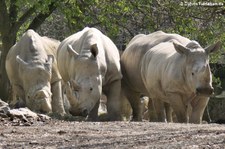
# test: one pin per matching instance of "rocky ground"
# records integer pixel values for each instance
(74, 134)
(21, 128)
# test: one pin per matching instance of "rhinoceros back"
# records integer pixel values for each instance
(81, 42)
(28, 52)
(132, 58)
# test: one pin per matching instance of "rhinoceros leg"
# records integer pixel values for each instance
(169, 112)
(135, 102)
(93, 115)
(198, 107)
(126, 110)
(160, 110)
(18, 97)
(179, 107)
(151, 111)
(57, 101)
(113, 100)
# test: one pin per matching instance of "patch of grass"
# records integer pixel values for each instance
(67, 117)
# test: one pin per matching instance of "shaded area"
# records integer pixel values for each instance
(215, 109)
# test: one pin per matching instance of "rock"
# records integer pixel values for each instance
(43, 117)
(19, 116)
(23, 113)
(4, 107)
(2, 103)
(17, 113)
(26, 116)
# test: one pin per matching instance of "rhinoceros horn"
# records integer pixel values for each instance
(51, 59)
(69, 93)
(20, 61)
(48, 64)
(71, 50)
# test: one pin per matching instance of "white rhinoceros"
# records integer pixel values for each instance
(168, 68)
(32, 70)
(89, 63)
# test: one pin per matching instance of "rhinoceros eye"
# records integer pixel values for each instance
(91, 89)
(76, 94)
(192, 73)
(76, 89)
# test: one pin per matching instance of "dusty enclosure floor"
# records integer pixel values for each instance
(67, 134)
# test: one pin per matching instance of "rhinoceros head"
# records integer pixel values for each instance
(85, 84)
(36, 79)
(197, 72)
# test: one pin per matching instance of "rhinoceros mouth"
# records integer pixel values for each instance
(204, 91)
(40, 105)
(79, 112)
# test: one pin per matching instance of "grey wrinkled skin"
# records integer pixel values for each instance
(88, 62)
(171, 69)
(32, 70)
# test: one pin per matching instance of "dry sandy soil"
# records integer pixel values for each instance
(100, 135)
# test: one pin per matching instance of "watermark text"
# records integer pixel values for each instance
(201, 4)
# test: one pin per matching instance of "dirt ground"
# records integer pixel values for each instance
(100, 135)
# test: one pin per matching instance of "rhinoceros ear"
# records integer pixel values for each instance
(94, 50)
(48, 64)
(181, 49)
(71, 50)
(20, 61)
(213, 47)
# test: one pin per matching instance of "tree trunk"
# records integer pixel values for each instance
(7, 42)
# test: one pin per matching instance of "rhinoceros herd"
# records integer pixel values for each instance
(171, 70)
